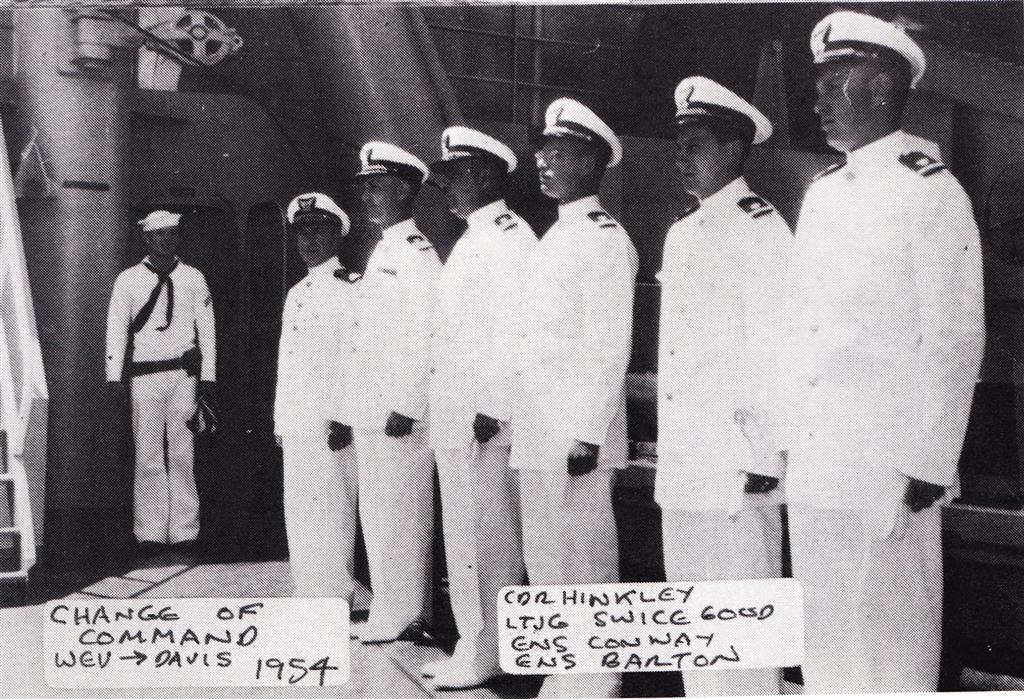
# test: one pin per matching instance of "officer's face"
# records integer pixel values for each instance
(461, 186)
(564, 165)
(705, 164)
(844, 104)
(162, 242)
(381, 196)
(317, 242)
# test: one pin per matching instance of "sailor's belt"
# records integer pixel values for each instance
(189, 361)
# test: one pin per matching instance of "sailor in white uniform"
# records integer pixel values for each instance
(385, 397)
(888, 302)
(718, 464)
(475, 321)
(320, 486)
(160, 336)
(569, 420)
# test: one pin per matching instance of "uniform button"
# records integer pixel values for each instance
(353, 350)
(299, 304)
(295, 327)
(671, 353)
(668, 396)
(316, 316)
(850, 176)
(432, 370)
(356, 323)
(813, 382)
(309, 283)
(814, 328)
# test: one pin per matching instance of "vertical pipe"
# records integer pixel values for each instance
(76, 244)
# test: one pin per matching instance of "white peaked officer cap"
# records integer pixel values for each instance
(567, 118)
(848, 34)
(379, 158)
(316, 206)
(461, 142)
(156, 220)
(699, 98)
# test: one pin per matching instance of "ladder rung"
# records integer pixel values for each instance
(10, 530)
(13, 575)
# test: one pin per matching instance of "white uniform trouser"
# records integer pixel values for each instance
(872, 608)
(482, 542)
(569, 537)
(320, 490)
(396, 497)
(711, 545)
(166, 501)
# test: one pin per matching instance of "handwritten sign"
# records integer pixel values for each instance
(648, 627)
(196, 643)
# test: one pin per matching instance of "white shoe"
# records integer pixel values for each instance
(436, 667)
(465, 677)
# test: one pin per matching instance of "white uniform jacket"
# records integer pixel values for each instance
(720, 296)
(192, 319)
(475, 321)
(889, 329)
(575, 340)
(314, 350)
(390, 344)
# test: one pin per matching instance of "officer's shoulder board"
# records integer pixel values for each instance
(755, 206)
(690, 209)
(419, 242)
(921, 163)
(506, 222)
(834, 167)
(603, 219)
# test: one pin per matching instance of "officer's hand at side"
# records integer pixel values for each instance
(756, 483)
(398, 425)
(208, 390)
(118, 392)
(485, 427)
(582, 458)
(339, 437)
(921, 495)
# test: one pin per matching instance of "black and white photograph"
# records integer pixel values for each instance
(508, 350)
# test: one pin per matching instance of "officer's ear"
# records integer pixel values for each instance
(882, 89)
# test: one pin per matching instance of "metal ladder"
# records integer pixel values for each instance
(9, 484)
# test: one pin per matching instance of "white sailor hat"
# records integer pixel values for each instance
(460, 142)
(567, 118)
(316, 206)
(848, 35)
(379, 158)
(698, 97)
(161, 218)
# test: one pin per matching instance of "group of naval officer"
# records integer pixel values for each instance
(831, 369)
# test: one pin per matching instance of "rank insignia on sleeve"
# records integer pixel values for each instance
(388, 270)
(829, 170)
(755, 206)
(602, 219)
(922, 163)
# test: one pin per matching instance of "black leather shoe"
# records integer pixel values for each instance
(149, 549)
(419, 633)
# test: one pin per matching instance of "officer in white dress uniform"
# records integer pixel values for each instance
(385, 399)
(162, 309)
(569, 423)
(320, 485)
(718, 466)
(474, 323)
(885, 354)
